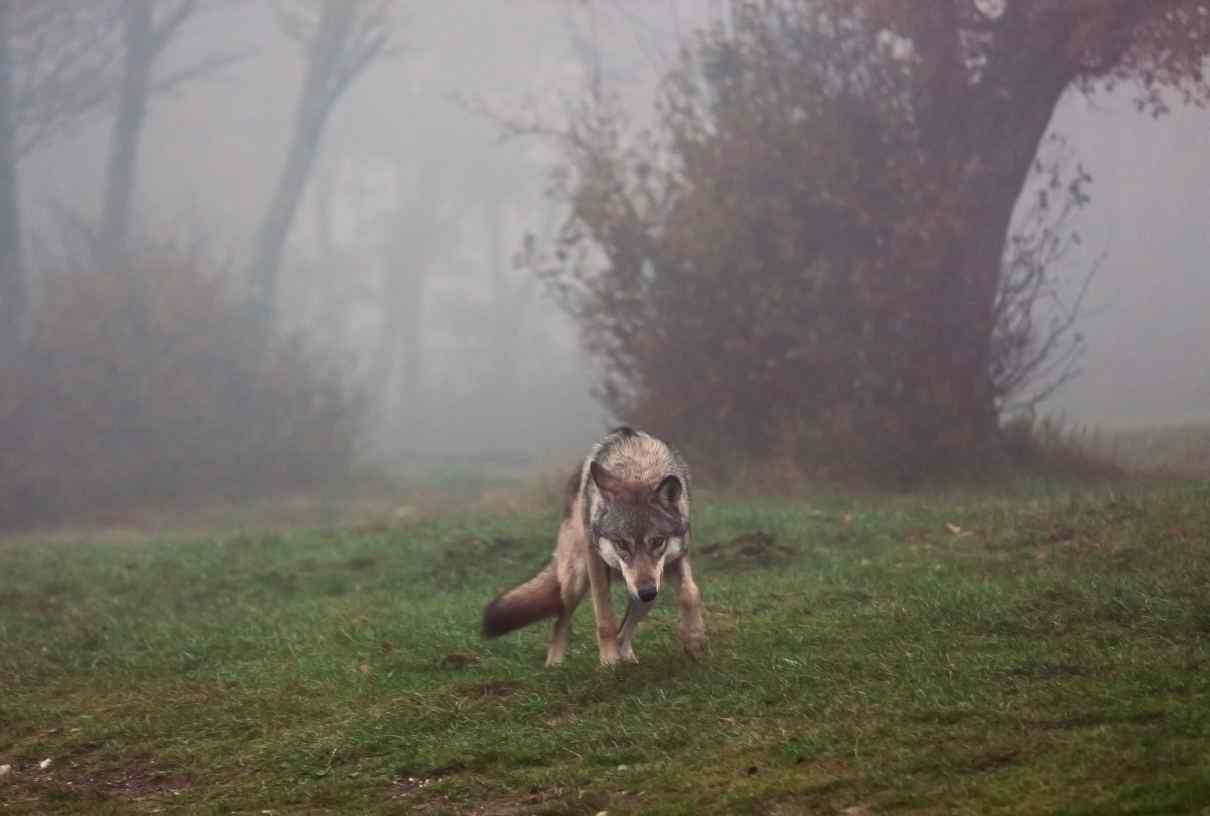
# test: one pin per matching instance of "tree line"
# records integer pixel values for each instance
(137, 376)
(62, 63)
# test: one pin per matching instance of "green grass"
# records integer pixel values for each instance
(1040, 653)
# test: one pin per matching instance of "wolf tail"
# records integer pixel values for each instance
(537, 598)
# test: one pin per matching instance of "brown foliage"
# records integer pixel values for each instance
(146, 384)
(811, 255)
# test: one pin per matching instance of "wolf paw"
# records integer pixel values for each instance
(627, 654)
(695, 647)
(610, 656)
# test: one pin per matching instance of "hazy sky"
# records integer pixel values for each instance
(1148, 358)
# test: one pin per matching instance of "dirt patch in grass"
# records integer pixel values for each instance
(361, 563)
(407, 782)
(1096, 720)
(515, 804)
(755, 550)
(1047, 671)
(492, 688)
(137, 780)
(459, 660)
(521, 803)
(991, 761)
(472, 557)
(943, 716)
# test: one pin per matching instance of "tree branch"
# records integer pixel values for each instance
(352, 66)
(161, 34)
(208, 66)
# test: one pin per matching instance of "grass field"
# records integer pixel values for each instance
(1044, 652)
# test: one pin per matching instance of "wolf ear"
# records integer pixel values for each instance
(668, 492)
(609, 485)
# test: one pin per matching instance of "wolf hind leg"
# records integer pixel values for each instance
(559, 636)
(572, 593)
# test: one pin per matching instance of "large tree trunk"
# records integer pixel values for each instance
(14, 296)
(985, 139)
(140, 53)
(271, 239)
(344, 42)
(322, 196)
(996, 132)
(989, 202)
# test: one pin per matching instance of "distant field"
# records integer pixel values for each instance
(1179, 450)
(1041, 652)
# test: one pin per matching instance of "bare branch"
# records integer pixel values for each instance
(162, 33)
(65, 63)
(357, 60)
(204, 68)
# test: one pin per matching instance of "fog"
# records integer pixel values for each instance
(1146, 312)
(212, 151)
(412, 140)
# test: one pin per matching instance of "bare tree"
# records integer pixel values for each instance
(54, 70)
(13, 294)
(62, 63)
(342, 38)
(147, 26)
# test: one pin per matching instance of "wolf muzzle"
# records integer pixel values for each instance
(647, 593)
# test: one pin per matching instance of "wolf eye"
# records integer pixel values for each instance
(657, 543)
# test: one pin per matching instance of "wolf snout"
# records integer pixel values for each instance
(647, 593)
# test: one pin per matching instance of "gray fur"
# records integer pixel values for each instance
(628, 514)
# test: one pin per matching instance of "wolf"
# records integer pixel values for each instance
(626, 512)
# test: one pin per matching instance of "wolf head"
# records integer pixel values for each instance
(638, 527)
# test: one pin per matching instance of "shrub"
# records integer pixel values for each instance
(1047, 447)
(147, 384)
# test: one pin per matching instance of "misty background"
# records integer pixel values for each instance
(407, 259)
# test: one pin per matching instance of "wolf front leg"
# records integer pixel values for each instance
(635, 612)
(607, 624)
(692, 629)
